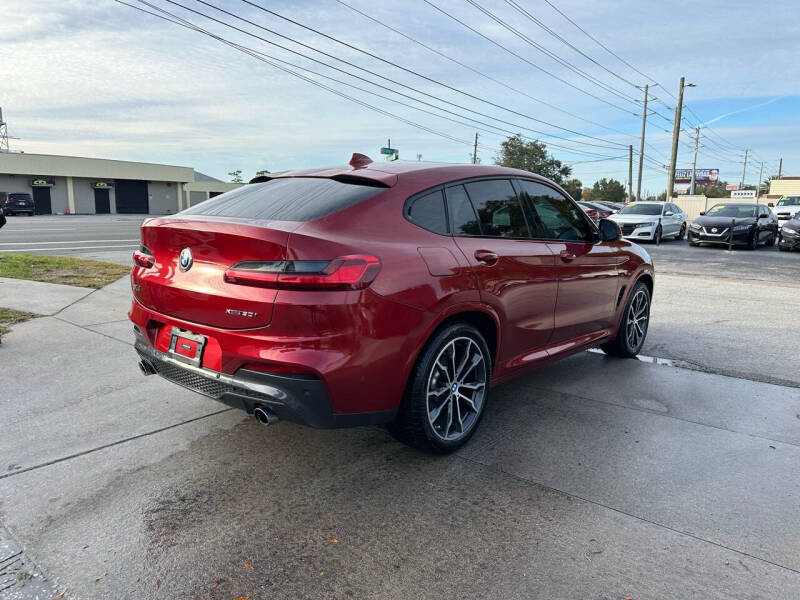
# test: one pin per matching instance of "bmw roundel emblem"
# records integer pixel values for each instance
(185, 261)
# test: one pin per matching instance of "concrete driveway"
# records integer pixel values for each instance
(593, 478)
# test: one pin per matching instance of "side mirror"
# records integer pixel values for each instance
(609, 230)
(669, 214)
(702, 212)
(771, 204)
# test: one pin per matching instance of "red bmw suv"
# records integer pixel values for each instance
(396, 293)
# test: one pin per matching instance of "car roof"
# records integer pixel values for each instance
(390, 173)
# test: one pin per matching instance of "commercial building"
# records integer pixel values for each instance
(76, 185)
(785, 186)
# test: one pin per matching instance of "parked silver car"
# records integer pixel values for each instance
(651, 221)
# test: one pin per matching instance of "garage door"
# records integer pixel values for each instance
(131, 196)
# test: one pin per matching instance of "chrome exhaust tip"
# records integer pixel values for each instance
(265, 416)
(146, 368)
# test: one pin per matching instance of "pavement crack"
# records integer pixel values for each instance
(86, 328)
(111, 444)
(627, 514)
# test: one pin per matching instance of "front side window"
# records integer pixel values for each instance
(553, 216)
(428, 212)
(498, 208)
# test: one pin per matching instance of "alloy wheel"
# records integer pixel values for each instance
(638, 316)
(456, 388)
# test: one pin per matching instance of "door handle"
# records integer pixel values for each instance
(567, 256)
(486, 257)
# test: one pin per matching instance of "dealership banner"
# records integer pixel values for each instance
(701, 175)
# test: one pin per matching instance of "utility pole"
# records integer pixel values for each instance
(760, 175)
(741, 183)
(475, 151)
(641, 147)
(694, 160)
(780, 167)
(630, 173)
(676, 131)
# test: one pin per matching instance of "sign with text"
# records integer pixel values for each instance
(732, 186)
(701, 175)
(101, 185)
(744, 194)
(42, 182)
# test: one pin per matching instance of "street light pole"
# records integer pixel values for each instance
(676, 131)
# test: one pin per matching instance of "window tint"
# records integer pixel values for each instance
(552, 215)
(462, 215)
(286, 199)
(498, 208)
(428, 211)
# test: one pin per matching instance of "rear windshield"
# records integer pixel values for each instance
(19, 196)
(286, 199)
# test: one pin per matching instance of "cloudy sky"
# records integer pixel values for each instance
(96, 78)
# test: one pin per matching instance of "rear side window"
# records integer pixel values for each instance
(553, 216)
(465, 221)
(498, 208)
(286, 199)
(428, 212)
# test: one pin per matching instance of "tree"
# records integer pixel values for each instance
(607, 190)
(531, 156)
(574, 187)
(713, 190)
(262, 172)
(236, 176)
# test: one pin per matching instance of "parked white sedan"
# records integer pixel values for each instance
(651, 221)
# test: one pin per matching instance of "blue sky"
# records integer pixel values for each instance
(94, 78)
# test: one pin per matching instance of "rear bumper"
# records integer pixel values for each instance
(300, 399)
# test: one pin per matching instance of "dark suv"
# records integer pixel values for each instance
(19, 203)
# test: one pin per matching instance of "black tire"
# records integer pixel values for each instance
(622, 346)
(414, 424)
(681, 232)
(753, 244)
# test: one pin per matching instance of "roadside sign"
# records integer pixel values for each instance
(732, 186)
(390, 153)
(743, 194)
(700, 175)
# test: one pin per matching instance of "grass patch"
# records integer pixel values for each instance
(65, 270)
(9, 316)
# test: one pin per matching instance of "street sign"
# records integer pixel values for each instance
(743, 194)
(732, 186)
(390, 153)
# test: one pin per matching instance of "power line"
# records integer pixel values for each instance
(373, 73)
(478, 72)
(551, 55)
(567, 43)
(522, 58)
(191, 26)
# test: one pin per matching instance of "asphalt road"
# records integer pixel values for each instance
(104, 237)
(593, 478)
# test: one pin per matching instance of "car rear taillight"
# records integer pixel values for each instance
(353, 272)
(143, 257)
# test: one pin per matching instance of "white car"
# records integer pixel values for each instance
(651, 221)
(786, 208)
